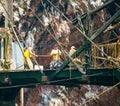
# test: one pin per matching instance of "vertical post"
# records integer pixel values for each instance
(87, 49)
(2, 39)
(8, 12)
(22, 97)
(2, 48)
(9, 18)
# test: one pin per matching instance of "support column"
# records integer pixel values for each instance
(22, 97)
(9, 19)
(8, 12)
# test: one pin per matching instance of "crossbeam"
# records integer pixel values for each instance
(94, 11)
(11, 82)
(81, 48)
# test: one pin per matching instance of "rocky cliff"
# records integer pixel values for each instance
(50, 25)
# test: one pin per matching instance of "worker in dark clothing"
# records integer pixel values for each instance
(2, 19)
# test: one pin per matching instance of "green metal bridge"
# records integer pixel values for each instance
(11, 81)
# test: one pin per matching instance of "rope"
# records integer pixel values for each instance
(76, 28)
(18, 41)
(111, 49)
(65, 79)
(62, 46)
(81, 32)
(101, 93)
(56, 39)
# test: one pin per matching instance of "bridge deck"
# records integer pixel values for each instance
(67, 77)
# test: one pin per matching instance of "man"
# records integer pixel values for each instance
(76, 62)
(71, 52)
(28, 55)
(55, 53)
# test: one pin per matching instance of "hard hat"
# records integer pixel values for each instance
(72, 47)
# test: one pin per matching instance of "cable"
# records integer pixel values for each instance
(101, 93)
(82, 32)
(79, 31)
(55, 38)
(51, 34)
(18, 38)
(62, 46)
(58, 42)
(76, 27)
(111, 88)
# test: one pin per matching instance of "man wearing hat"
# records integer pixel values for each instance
(55, 53)
(72, 50)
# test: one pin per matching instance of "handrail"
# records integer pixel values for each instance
(111, 49)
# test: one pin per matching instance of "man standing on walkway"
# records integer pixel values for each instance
(55, 53)
(28, 53)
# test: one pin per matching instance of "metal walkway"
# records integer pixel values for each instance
(12, 81)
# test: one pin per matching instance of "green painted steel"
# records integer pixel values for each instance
(11, 81)
(75, 21)
(31, 78)
(81, 48)
(5, 103)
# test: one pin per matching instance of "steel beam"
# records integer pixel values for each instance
(81, 48)
(11, 82)
(75, 21)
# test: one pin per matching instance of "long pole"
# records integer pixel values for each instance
(8, 18)
(22, 97)
(8, 11)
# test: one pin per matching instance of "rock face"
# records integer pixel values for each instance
(62, 96)
(51, 27)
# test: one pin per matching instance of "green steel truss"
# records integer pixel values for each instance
(11, 81)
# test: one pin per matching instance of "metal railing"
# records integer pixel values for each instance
(102, 58)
